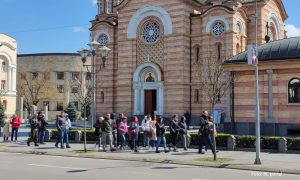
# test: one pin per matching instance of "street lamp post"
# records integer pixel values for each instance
(84, 53)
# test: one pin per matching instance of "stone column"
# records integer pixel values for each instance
(228, 101)
(46, 112)
(21, 108)
(270, 95)
(9, 80)
(14, 79)
(33, 109)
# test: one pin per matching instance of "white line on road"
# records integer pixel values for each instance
(60, 167)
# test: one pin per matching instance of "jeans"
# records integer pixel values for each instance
(61, 136)
(146, 138)
(152, 143)
(34, 136)
(66, 137)
(42, 135)
(174, 137)
(123, 140)
(159, 140)
(14, 131)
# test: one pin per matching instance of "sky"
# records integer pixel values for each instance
(62, 26)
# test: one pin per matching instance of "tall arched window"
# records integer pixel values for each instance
(237, 48)
(102, 97)
(294, 90)
(218, 51)
(196, 95)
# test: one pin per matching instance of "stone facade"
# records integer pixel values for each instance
(49, 67)
(8, 62)
(189, 31)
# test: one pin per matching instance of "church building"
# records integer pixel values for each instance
(156, 43)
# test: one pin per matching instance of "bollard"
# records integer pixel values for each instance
(48, 135)
(77, 136)
(282, 145)
(231, 143)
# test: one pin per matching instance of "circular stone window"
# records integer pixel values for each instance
(103, 40)
(151, 32)
(218, 28)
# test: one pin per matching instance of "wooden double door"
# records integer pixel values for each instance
(150, 101)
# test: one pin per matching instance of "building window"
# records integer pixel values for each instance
(103, 40)
(23, 76)
(3, 67)
(60, 88)
(218, 28)
(60, 75)
(88, 76)
(46, 103)
(60, 106)
(46, 75)
(294, 90)
(197, 53)
(196, 95)
(151, 32)
(237, 48)
(5, 104)
(238, 28)
(3, 84)
(102, 97)
(75, 76)
(219, 50)
(75, 89)
(35, 75)
(76, 104)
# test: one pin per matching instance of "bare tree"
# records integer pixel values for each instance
(35, 87)
(83, 93)
(213, 82)
(3, 92)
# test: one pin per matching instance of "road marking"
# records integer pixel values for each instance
(59, 167)
(148, 174)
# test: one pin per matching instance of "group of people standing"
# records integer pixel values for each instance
(38, 126)
(15, 123)
(108, 129)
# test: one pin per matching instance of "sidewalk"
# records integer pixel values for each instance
(271, 162)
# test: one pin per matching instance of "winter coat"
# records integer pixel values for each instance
(134, 127)
(97, 127)
(160, 129)
(174, 127)
(106, 126)
(146, 124)
(68, 124)
(123, 128)
(183, 127)
(6, 127)
(152, 133)
(42, 122)
(204, 125)
(15, 122)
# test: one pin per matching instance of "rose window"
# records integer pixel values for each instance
(218, 28)
(151, 32)
(103, 40)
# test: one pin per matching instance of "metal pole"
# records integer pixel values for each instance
(84, 128)
(257, 159)
(94, 91)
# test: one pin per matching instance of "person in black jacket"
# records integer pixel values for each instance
(174, 131)
(34, 131)
(160, 134)
(204, 133)
(42, 127)
(183, 132)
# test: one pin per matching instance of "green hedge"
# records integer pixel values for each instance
(293, 143)
(221, 140)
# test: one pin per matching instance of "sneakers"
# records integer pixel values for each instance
(28, 143)
(166, 151)
(157, 152)
(68, 147)
(56, 145)
(36, 144)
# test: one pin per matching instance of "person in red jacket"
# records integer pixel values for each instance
(15, 124)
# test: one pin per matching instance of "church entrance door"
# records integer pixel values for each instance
(150, 101)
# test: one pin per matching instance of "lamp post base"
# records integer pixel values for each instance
(257, 161)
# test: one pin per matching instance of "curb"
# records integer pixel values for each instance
(158, 160)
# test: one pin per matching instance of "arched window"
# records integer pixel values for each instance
(102, 97)
(294, 90)
(3, 66)
(237, 48)
(218, 51)
(196, 95)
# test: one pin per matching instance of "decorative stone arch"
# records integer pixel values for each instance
(11, 71)
(98, 33)
(139, 86)
(272, 18)
(213, 19)
(146, 11)
(242, 25)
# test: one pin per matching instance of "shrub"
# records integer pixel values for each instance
(221, 140)
(293, 143)
(269, 142)
(71, 110)
(245, 141)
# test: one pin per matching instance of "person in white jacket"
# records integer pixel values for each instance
(146, 128)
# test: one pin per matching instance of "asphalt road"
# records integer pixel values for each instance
(36, 167)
